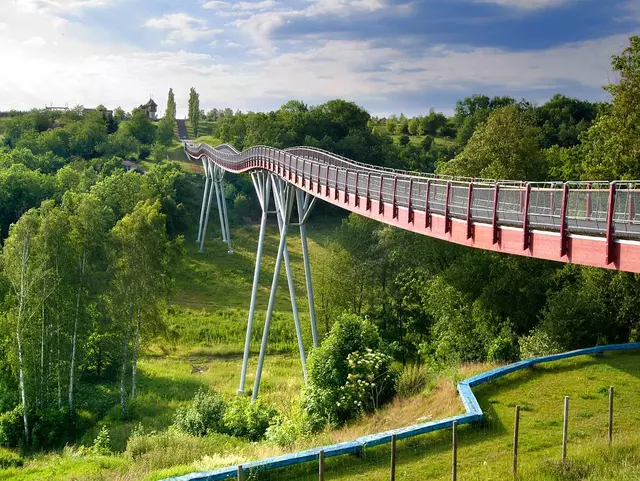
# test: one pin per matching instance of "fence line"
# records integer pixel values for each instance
(474, 413)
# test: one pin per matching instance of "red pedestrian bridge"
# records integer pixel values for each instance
(588, 223)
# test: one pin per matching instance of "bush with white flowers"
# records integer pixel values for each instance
(348, 374)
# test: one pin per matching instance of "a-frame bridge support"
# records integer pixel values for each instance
(214, 183)
(284, 195)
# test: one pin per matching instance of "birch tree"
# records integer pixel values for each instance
(89, 221)
(25, 272)
(141, 251)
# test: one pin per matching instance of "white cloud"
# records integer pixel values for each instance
(59, 5)
(3, 26)
(527, 4)
(343, 7)
(360, 70)
(181, 27)
(77, 70)
(260, 25)
(244, 6)
(35, 41)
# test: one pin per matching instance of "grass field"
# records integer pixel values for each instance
(484, 451)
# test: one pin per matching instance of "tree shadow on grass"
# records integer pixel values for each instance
(625, 361)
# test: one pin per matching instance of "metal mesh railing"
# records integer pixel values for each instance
(586, 211)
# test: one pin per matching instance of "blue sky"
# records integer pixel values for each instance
(387, 55)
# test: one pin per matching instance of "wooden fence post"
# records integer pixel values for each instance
(610, 415)
(392, 476)
(454, 453)
(516, 428)
(565, 427)
(240, 473)
(321, 466)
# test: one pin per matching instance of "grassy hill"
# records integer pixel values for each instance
(484, 451)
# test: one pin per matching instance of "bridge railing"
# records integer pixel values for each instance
(590, 208)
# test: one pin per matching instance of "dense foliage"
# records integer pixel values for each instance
(86, 265)
(208, 413)
(348, 374)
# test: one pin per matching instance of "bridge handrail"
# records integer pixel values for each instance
(592, 208)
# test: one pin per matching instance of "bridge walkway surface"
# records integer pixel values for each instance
(590, 223)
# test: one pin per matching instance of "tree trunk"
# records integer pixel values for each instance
(42, 328)
(123, 392)
(23, 393)
(58, 371)
(134, 360)
(74, 337)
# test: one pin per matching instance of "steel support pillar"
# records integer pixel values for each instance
(305, 205)
(278, 185)
(223, 228)
(262, 183)
(204, 197)
(225, 216)
(287, 203)
(206, 218)
(215, 183)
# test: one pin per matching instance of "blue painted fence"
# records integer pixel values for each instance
(473, 414)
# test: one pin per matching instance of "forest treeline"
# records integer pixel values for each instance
(88, 252)
(88, 248)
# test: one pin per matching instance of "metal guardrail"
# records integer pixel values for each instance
(592, 208)
(473, 414)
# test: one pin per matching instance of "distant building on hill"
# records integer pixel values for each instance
(151, 108)
(106, 113)
(56, 109)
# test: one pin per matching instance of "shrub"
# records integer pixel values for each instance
(102, 443)
(413, 379)
(352, 348)
(247, 419)
(503, 349)
(567, 470)
(286, 431)
(12, 428)
(51, 428)
(538, 343)
(370, 381)
(202, 416)
(9, 459)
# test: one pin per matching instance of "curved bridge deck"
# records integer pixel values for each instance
(588, 223)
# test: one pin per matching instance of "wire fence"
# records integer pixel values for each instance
(496, 448)
(485, 439)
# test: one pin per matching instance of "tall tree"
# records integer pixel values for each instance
(89, 221)
(171, 106)
(194, 110)
(24, 270)
(164, 134)
(507, 146)
(57, 252)
(612, 145)
(140, 281)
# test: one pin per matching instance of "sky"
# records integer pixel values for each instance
(389, 56)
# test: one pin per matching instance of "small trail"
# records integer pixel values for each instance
(182, 129)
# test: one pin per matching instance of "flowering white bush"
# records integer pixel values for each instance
(370, 381)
